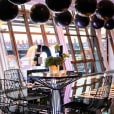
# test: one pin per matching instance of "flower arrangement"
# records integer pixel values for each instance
(54, 61)
(58, 60)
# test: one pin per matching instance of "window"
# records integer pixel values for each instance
(82, 47)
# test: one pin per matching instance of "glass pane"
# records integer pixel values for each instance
(22, 44)
(51, 40)
(8, 43)
(82, 31)
(18, 24)
(79, 91)
(90, 67)
(37, 39)
(69, 50)
(104, 41)
(81, 67)
(87, 49)
(75, 43)
(87, 88)
(3, 26)
(103, 32)
(49, 29)
(80, 82)
(66, 40)
(96, 54)
(98, 65)
(77, 49)
(72, 30)
(88, 81)
(10, 55)
(35, 28)
(19, 28)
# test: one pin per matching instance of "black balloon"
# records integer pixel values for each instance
(86, 7)
(105, 8)
(63, 19)
(39, 13)
(109, 24)
(96, 22)
(8, 11)
(18, 2)
(58, 5)
(81, 21)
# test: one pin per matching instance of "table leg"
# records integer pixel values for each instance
(56, 102)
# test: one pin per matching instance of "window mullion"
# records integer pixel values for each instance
(27, 25)
(13, 42)
(82, 49)
(91, 48)
(71, 49)
(44, 35)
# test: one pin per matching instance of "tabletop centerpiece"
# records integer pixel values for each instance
(55, 62)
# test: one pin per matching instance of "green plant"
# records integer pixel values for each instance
(64, 55)
(59, 60)
(57, 47)
(54, 61)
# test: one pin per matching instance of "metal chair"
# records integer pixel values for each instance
(15, 87)
(94, 100)
(2, 99)
(6, 105)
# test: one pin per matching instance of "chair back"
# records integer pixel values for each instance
(101, 99)
(14, 84)
(95, 93)
(104, 90)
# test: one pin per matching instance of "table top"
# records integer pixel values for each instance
(55, 82)
(45, 74)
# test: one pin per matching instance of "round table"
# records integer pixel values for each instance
(56, 84)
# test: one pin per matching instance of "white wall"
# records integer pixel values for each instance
(3, 61)
(111, 54)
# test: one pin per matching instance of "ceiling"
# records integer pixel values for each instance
(43, 1)
(72, 6)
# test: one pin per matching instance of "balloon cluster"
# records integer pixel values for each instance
(58, 6)
(105, 12)
(63, 19)
(98, 14)
(86, 7)
(81, 21)
(101, 14)
(9, 9)
(39, 13)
